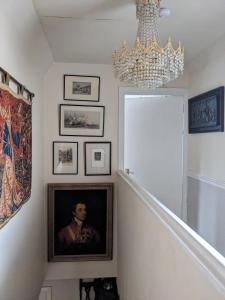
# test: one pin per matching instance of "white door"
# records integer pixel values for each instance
(153, 149)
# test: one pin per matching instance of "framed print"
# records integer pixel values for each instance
(206, 112)
(65, 158)
(81, 120)
(97, 159)
(80, 221)
(81, 88)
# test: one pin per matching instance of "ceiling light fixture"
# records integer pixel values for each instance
(148, 65)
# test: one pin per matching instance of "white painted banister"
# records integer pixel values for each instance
(159, 256)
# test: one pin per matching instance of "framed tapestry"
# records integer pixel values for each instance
(81, 88)
(81, 120)
(80, 221)
(16, 152)
(206, 112)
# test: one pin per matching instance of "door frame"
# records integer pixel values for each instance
(126, 91)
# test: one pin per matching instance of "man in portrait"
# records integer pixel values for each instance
(78, 237)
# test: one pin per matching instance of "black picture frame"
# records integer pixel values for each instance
(206, 112)
(94, 82)
(65, 168)
(78, 131)
(108, 160)
(92, 238)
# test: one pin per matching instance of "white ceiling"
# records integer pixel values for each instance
(87, 31)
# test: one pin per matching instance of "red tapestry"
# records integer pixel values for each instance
(15, 153)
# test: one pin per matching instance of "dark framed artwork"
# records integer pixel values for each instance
(81, 120)
(81, 88)
(206, 112)
(80, 221)
(65, 158)
(97, 158)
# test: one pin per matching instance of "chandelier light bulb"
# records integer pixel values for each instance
(148, 65)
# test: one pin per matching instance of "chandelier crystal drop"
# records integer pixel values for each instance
(147, 65)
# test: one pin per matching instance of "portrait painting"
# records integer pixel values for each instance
(15, 152)
(80, 120)
(80, 222)
(81, 88)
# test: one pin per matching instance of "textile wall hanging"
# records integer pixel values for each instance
(15, 151)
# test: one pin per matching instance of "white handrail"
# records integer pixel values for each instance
(210, 259)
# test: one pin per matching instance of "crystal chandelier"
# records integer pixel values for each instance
(147, 65)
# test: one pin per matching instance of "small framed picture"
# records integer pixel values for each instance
(206, 112)
(81, 120)
(80, 221)
(81, 88)
(65, 158)
(97, 158)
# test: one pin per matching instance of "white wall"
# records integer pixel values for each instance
(24, 53)
(64, 289)
(61, 289)
(206, 151)
(53, 97)
(205, 211)
(153, 263)
(206, 154)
